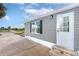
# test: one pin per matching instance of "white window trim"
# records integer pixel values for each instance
(31, 27)
(35, 28)
(59, 29)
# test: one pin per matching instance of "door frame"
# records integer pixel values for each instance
(66, 39)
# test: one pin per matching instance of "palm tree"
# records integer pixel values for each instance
(2, 10)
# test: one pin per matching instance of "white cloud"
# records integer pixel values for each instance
(22, 25)
(26, 17)
(36, 12)
(30, 6)
(18, 26)
(31, 12)
(6, 18)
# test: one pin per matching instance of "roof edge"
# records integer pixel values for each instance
(57, 11)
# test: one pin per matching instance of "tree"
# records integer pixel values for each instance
(2, 10)
(2, 28)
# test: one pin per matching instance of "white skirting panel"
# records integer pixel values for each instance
(45, 43)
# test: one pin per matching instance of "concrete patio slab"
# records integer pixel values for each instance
(15, 45)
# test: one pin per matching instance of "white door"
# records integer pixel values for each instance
(65, 30)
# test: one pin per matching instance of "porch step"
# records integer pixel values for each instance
(61, 51)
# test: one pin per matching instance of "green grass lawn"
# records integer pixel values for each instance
(3, 30)
(19, 32)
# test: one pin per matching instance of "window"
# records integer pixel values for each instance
(63, 25)
(33, 27)
(36, 26)
(66, 24)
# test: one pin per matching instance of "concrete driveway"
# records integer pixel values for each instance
(15, 45)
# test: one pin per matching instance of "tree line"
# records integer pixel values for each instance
(9, 28)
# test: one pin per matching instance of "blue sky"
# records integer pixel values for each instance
(17, 14)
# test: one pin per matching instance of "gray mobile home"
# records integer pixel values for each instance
(58, 27)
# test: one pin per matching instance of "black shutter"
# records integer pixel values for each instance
(40, 26)
(30, 26)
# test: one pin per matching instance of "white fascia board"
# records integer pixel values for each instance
(45, 43)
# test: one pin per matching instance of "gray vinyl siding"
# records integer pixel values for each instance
(48, 29)
(76, 29)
